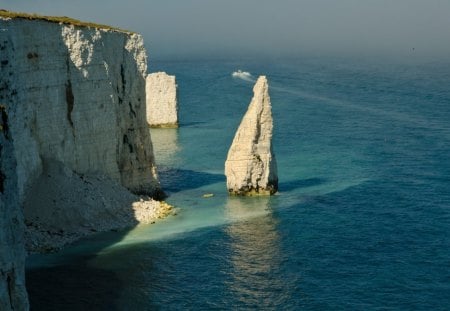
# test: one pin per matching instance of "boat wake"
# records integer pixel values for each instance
(243, 75)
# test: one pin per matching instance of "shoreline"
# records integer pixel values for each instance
(40, 239)
(63, 206)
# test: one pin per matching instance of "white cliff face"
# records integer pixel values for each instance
(161, 96)
(13, 294)
(77, 95)
(71, 95)
(251, 167)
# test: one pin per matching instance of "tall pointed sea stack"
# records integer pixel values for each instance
(251, 168)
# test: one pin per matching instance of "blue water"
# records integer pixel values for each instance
(362, 219)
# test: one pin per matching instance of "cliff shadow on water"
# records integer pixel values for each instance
(67, 280)
(173, 179)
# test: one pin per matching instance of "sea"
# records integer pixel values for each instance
(361, 220)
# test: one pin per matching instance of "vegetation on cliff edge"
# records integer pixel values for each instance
(58, 19)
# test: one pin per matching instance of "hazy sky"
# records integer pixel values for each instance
(400, 28)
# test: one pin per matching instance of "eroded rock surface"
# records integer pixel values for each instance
(161, 96)
(71, 96)
(77, 95)
(13, 295)
(251, 167)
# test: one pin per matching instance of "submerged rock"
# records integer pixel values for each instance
(251, 168)
(161, 97)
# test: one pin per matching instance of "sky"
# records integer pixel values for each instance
(355, 28)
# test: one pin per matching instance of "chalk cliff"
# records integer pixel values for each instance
(77, 95)
(161, 96)
(13, 295)
(251, 167)
(73, 108)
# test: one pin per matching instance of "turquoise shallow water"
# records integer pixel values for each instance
(362, 219)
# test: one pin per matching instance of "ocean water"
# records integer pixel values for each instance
(361, 221)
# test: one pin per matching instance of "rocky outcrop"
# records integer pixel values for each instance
(161, 96)
(73, 110)
(251, 167)
(77, 95)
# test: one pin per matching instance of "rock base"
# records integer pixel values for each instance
(250, 192)
(164, 126)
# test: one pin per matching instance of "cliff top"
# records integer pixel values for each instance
(58, 19)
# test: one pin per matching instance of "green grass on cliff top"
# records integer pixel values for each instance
(57, 19)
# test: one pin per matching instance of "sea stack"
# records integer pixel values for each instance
(161, 96)
(251, 168)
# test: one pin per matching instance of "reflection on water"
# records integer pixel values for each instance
(165, 146)
(255, 254)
